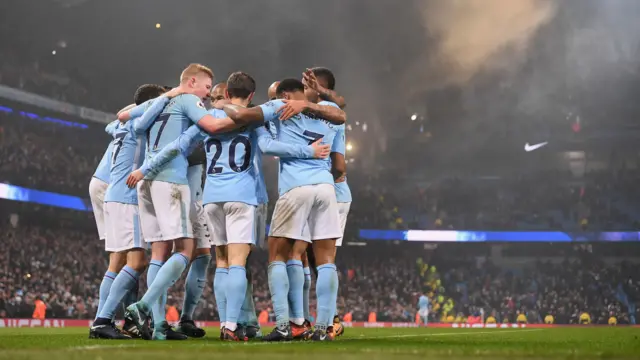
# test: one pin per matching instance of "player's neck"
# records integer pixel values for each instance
(240, 102)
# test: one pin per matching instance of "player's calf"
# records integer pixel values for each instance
(248, 319)
(194, 286)
(279, 250)
(326, 286)
(236, 287)
(219, 285)
(116, 262)
(295, 272)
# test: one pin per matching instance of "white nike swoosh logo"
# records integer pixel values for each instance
(322, 337)
(529, 148)
(140, 321)
(283, 333)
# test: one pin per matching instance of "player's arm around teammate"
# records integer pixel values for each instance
(123, 235)
(320, 84)
(270, 146)
(325, 89)
(332, 114)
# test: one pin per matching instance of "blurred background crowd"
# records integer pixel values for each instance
(54, 256)
(436, 130)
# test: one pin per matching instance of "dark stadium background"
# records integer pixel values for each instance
(532, 71)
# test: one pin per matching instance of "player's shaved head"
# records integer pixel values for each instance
(325, 77)
(290, 89)
(272, 92)
(240, 85)
(147, 92)
(218, 91)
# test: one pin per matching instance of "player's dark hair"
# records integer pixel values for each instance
(240, 85)
(289, 85)
(251, 105)
(167, 87)
(327, 75)
(147, 92)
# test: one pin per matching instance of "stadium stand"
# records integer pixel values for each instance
(62, 264)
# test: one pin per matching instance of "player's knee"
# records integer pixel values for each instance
(137, 261)
(117, 260)
(238, 254)
(161, 250)
(324, 251)
(279, 249)
(298, 251)
(185, 247)
(221, 253)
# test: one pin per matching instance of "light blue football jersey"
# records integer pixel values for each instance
(343, 192)
(261, 185)
(102, 171)
(139, 110)
(128, 150)
(231, 174)
(423, 302)
(301, 130)
(175, 117)
(187, 141)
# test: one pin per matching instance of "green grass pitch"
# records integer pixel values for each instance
(357, 344)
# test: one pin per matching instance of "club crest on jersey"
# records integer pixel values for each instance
(200, 104)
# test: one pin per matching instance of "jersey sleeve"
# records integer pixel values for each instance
(139, 109)
(338, 145)
(182, 145)
(192, 107)
(111, 127)
(270, 110)
(271, 146)
(142, 123)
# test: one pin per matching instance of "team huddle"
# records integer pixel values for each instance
(148, 192)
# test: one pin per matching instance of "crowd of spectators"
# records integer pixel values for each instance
(544, 200)
(55, 256)
(564, 289)
(48, 156)
(51, 256)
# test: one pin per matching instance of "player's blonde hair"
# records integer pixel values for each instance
(194, 70)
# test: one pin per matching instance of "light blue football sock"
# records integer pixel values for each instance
(325, 289)
(194, 286)
(335, 303)
(131, 297)
(125, 282)
(168, 274)
(105, 287)
(305, 293)
(219, 291)
(279, 288)
(248, 312)
(236, 289)
(157, 309)
(295, 296)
